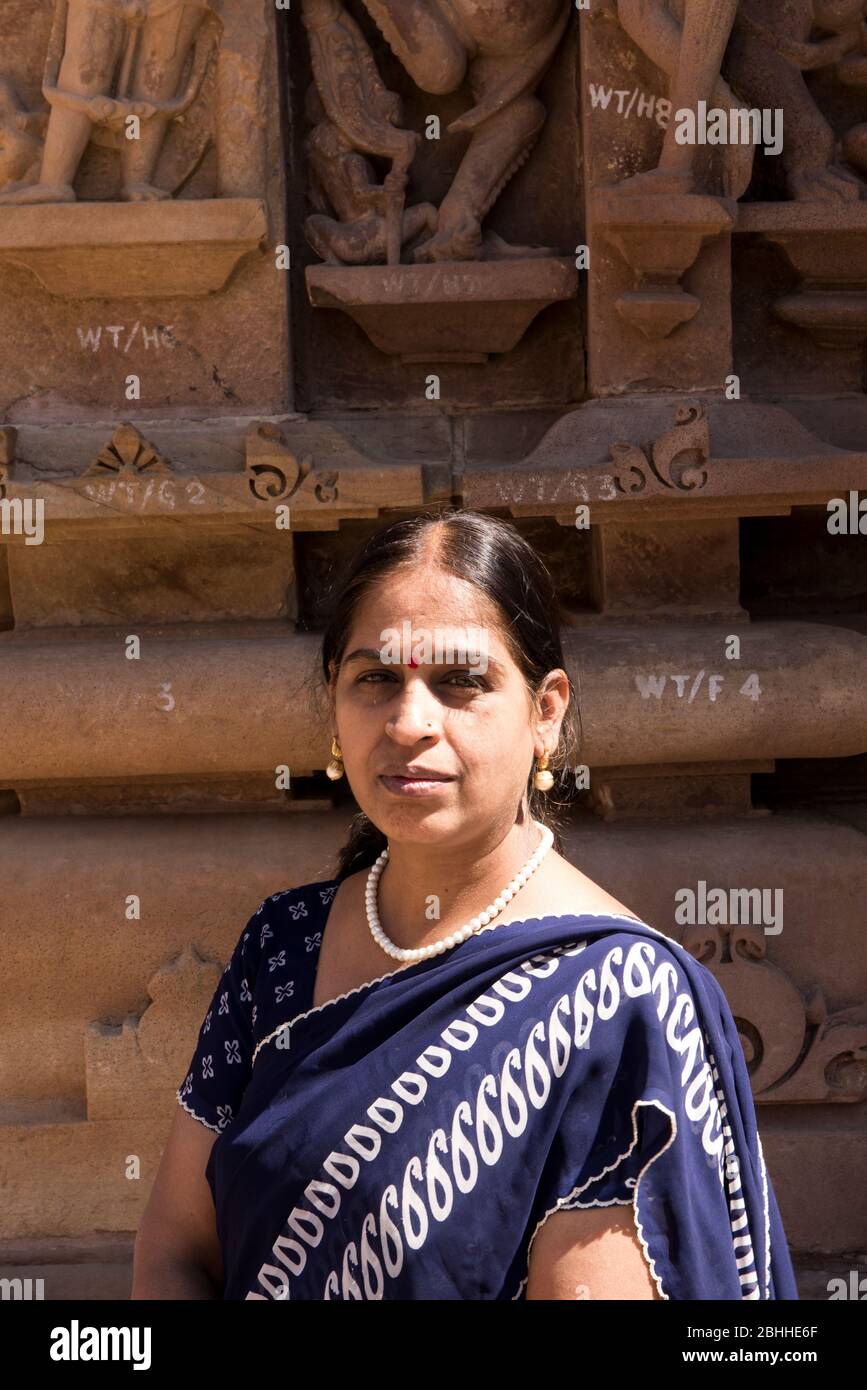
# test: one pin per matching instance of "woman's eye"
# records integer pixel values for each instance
(460, 680)
(465, 681)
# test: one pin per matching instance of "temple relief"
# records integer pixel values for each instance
(754, 54)
(109, 61)
(503, 48)
(775, 43)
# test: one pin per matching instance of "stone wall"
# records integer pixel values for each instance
(245, 331)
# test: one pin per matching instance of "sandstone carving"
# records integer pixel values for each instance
(408, 311)
(127, 1067)
(771, 49)
(274, 471)
(794, 1050)
(676, 462)
(128, 454)
(109, 61)
(660, 237)
(687, 40)
(762, 48)
(21, 133)
(830, 302)
(503, 49)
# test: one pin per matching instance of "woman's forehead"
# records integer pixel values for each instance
(426, 597)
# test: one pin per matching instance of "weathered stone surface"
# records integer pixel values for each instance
(444, 313)
(218, 707)
(133, 578)
(142, 251)
(674, 458)
(542, 303)
(152, 258)
(67, 1172)
(164, 863)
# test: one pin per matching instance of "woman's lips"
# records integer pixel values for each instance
(419, 784)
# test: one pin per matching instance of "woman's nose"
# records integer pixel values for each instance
(414, 715)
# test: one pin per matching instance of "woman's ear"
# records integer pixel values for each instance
(552, 701)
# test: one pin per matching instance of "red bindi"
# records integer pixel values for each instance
(413, 665)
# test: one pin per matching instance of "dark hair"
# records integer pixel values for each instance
(492, 555)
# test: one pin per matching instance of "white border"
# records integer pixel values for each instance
(767, 1215)
(566, 1203)
(493, 926)
(206, 1123)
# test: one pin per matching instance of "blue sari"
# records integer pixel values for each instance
(408, 1139)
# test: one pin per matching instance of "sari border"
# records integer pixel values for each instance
(520, 921)
(767, 1215)
(561, 1203)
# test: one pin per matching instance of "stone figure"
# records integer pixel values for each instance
(353, 116)
(109, 60)
(687, 39)
(502, 46)
(851, 71)
(343, 179)
(762, 48)
(772, 47)
(21, 134)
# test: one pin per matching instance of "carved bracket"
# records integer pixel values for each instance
(133, 250)
(826, 244)
(444, 313)
(220, 477)
(276, 474)
(127, 1067)
(660, 238)
(128, 454)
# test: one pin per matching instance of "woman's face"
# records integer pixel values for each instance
(437, 740)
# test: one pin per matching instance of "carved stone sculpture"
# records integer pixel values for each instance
(109, 60)
(371, 225)
(771, 49)
(796, 1050)
(504, 48)
(20, 139)
(688, 42)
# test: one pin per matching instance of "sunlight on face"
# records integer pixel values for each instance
(439, 751)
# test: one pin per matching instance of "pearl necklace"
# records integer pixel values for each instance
(475, 923)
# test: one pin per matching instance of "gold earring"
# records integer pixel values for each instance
(335, 768)
(543, 780)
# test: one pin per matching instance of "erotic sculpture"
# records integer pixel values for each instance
(502, 47)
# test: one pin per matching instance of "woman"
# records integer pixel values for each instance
(399, 1092)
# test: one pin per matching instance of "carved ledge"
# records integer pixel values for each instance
(133, 250)
(826, 244)
(666, 457)
(454, 312)
(660, 238)
(231, 474)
